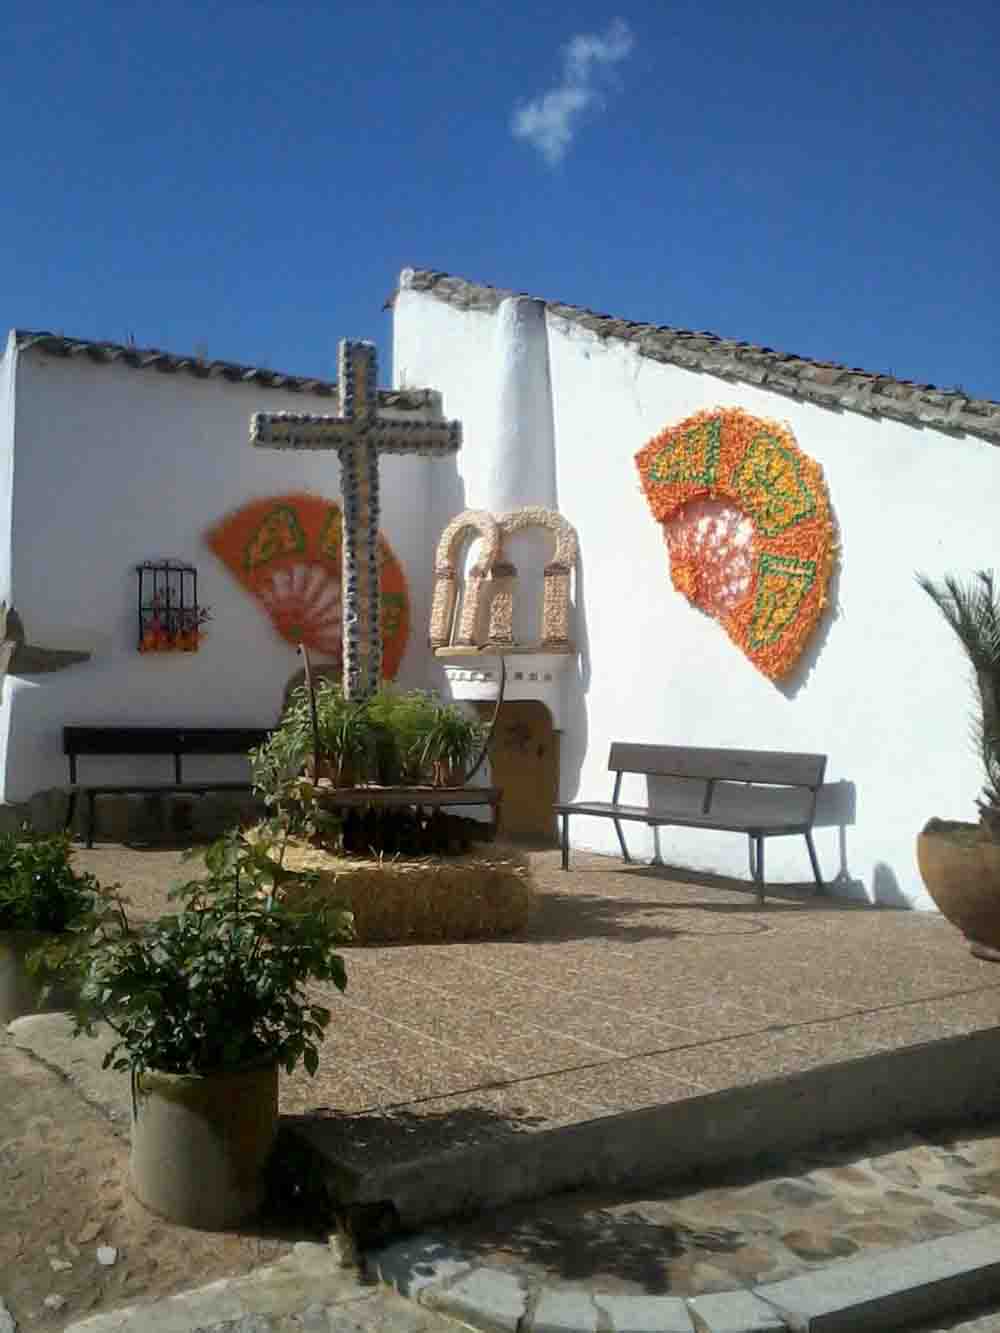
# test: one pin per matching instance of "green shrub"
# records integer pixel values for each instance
(219, 984)
(39, 889)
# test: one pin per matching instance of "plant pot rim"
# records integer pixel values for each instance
(203, 1076)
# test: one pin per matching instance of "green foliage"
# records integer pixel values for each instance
(452, 740)
(395, 737)
(402, 721)
(220, 983)
(973, 612)
(39, 889)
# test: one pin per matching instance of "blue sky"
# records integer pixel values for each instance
(251, 178)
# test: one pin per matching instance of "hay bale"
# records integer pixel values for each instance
(421, 899)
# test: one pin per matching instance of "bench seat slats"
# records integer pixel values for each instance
(770, 767)
(770, 823)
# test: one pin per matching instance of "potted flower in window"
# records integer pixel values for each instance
(206, 1006)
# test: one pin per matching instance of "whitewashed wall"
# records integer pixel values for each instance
(885, 690)
(113, 466)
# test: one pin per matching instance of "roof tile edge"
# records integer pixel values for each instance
(825, 383)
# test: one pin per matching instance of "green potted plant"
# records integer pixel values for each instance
(960, 862)
(206, 1005)
(401, 721)
(42, 898)
(449, 745)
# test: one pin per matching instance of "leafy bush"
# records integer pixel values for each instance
(220, 983)
(395, 737)
(39, 890)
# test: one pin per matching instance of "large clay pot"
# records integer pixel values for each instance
(21, 992)
(200, 1144)
(960, 866)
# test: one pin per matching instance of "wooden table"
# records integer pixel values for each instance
(430, 798)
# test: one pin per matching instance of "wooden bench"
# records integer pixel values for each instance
(762, 793)
(179, 742)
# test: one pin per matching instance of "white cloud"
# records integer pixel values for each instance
(549, 122)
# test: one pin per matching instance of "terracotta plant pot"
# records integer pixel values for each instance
(960, 866)
(20, 990)
(200, 1144)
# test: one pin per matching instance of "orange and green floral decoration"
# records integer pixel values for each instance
(287, 552)
(755, 468)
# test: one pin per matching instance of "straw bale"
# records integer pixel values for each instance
(429, 898)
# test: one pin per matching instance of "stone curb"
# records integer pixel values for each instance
(929, 1278)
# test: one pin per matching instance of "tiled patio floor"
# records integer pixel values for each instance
(633, 987)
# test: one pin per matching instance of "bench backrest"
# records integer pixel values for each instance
(161, 740)
(768, 767)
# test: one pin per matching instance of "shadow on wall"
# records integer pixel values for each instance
(836, 807)
(576, 685)
(885, 887)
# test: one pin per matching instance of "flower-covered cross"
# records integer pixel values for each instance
(358, 434)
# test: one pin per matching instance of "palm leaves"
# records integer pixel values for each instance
(973, 612)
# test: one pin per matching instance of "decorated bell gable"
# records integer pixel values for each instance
(749, 528)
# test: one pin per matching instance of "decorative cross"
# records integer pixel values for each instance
(358, 435)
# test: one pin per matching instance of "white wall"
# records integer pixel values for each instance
(113, 466)
(884, 692)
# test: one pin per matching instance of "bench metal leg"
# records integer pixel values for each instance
(91, 816)
(753, 859)
(621, 842)
(817, 874)
(759, 869)
(565, 842)
(70, 812)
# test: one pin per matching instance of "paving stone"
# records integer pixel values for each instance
(900, 1173)
(870, 1293)
(793, 1191)
(411, 1265)
(934, 1223)
(852, 1175)
(7, 1324)
(735, 1312)
(488, 1297)
(247, 1323)
(752, 1263)
(645, 1314)
(878, 1233)
(564, 1310)
(378, 1315)
(709, 1277)
(819, 1245)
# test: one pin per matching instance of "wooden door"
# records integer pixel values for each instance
(524, 758)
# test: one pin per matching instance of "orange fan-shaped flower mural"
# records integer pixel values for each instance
(748, 524)
(286, 551)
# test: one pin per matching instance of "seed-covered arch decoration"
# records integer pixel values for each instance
(446, 577)
(492, 577)
(554, 629)
(749, 468)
